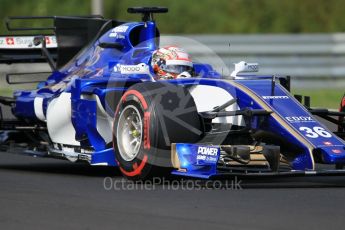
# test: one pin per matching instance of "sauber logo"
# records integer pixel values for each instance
(208, 151)
(9, 41)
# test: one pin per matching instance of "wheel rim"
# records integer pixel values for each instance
(129, 133)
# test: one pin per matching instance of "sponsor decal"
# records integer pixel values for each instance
(210, 151)
(337, 151)
(207, 154)
(113, 35)
(244, 67)
(191, 154)
(298, 119)
(117, 32)
(22, 42)
(9, 41)
(141, 68)
(253, 67)
(275, 97)
(120, 36)
(120, 29)
(328, 143)
(116, 35)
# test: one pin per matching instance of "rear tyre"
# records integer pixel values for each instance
(149, 118)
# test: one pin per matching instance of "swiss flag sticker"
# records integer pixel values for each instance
(327, 143)
(9, 41)
(47, 40)
(337, 151)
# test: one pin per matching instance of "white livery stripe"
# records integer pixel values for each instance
(100, 164)
(38, 106)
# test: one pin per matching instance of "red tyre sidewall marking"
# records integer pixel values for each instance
(137, 169)
(138, 95)
(147, 144)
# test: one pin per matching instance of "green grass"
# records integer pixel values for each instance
(6, 92)
(199, 16)
(326, 98)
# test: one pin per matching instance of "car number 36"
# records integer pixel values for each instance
(315, 132)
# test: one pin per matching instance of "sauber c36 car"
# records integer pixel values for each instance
(102, 105)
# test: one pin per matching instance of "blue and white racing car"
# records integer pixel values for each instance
(104, 104)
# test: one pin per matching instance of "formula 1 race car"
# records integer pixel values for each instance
(103, 105)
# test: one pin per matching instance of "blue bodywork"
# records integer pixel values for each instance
(92, 71)
(257, 94)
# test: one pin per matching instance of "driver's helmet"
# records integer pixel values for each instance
(171, 62)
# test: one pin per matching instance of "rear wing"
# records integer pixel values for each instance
(65, 38)
(25, 48)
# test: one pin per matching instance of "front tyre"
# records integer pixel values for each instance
(148, 119)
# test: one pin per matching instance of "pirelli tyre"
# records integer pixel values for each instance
(148, 119)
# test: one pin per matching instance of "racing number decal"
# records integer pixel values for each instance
(315, 132)
(309, 132)
(322, 132)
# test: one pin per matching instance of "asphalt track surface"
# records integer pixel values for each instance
(41, 193)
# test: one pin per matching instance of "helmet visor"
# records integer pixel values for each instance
(177, 69)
